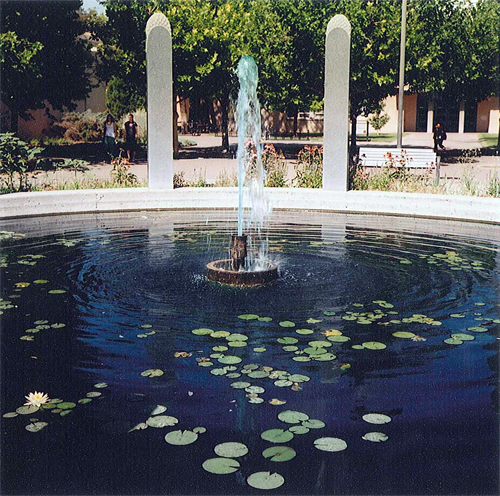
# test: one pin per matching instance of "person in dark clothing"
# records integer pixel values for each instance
(131, 137)
(439, 136)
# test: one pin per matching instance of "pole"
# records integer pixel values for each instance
(401, 75)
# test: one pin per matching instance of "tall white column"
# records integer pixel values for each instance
(461, 118)
(336, 112)
(430, 117)
(160, 104)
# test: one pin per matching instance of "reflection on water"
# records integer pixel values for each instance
(135, 289)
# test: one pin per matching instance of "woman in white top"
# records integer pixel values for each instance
(110, 134)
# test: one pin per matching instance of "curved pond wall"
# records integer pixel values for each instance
(142, 199)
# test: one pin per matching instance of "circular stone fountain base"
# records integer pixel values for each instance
(221, 271)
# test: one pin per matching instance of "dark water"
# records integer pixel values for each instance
(121, 272)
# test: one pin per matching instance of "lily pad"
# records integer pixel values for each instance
(181, 438)
(299, 378)
(159, 409)
(93, 394)
(251, 366)
(302, 359)
(290, 348)
(83, 401)
(152, 373)
(453, 341)
(40, 281)
(330, 444)
(37, 426)
(200, 430)
(160, 421)
(237, 337)
(237, 344)
(277, 402)
(27, 409)
(304, 332)
(376, 418)
(287, 323)
(231, 450)
(313, 424)
(477, 329)
(230, 359)
(202, 331)
(255, 389)
(248, 316)
(315, 351)
(100, 385)
(463, 336)
(338, 339)
(65, 405)
(277, 436)
(314, 321)
(283, 383)
(258, 374)
(320, 344)
(357, 347)
(299, 429)
(403, 334)
(328, 313)
(240, 385)
(457, 315)
(57, 291)
(287, 340)
(221, 465)
(219, 371)
(220, 348)
(279, 453)
(220, 334)
(374, 345)
(233, 375)
(255, 399)
(259, 349)
(265, 319)
(375, 437)
(326, 357)
(292, 417)
(265, 480)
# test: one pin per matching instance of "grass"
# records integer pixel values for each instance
(488, 140)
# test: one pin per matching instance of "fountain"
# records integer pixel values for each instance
(247, 265)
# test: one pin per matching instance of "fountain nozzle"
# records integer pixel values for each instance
(239, 251)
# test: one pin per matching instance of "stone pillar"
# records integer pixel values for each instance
(336, 113)
(430, 117)
(160, 105)
(461, 118)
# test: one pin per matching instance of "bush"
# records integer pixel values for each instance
(224, 179)
(77, 126)
(274, 165)
(120, 174)
(309, 168)
(17, 158)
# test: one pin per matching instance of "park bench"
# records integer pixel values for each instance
(412, 158)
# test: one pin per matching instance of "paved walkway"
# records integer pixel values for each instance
(210, 169)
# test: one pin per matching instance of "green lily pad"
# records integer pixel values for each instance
(330, 444)
(10, 415)
(202, 331)
(237, 337)
(290, 348)
(27, 409)
(313, 424)
(93, 394)
(160, 421)
(302, 359)
(258, 374)
(265, 319)
(83, 401)
(255, 400)
(314, 321)
(299, 429)
(277, 436)
(200, 430)
(220, 371)
(220, 334)
(63, 413)
(217, 355)
(158, 410)
(255, 389)
(299, 378)
(403, 334)
(477, 329)
(152, 373)
(463, 337)
(220, 348)
(374, 345)
(181, 438)
(453, 341)
(457, 315)
(287, 323)
(292, 417)
(328, 313)
(348, 317)
(251, 366)
(320, 344)
(248, 316)
(146, 326)
(304, 332)
(279, 453)
(37, 426)
(240, 385)
(315, 351)
(65, 405)
(237, 344)
(287, 340)
(283, 383)
(101, 385)
(326, 357)
(230, 359)
(376, 418)
(221, 465)
(265, 480)
(40, 281)
(233, 375)
(338, 339)
(231, 450)
(375, 437)
(259, 349)
(57, 291)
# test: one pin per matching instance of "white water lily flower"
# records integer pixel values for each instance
(36, 398)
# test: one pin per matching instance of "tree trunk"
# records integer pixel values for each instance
(174, 130)
(295, 123)
(224, 103)
(353, 132)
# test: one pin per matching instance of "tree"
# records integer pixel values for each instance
(42, 57)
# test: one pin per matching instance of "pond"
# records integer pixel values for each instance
(369, 367)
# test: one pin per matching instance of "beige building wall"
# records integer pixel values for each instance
(494, 125)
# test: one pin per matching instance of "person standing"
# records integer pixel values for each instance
(131, 137)
(110, 133)
(439, 136)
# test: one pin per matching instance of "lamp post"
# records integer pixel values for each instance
(401, 75)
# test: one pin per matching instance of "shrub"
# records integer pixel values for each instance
(120, 174)
(274, 165)
(17, 158)
(77, 126)
(309, 168)
(179, 181)
(224, 179)
(379, 120)
(493, 188)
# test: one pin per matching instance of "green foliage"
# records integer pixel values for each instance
(16, 158)
(120, 174)
(179, 181)
(493, 188)
(275, 166)
(309, 168)
(379, 120)
(224, 179)
(43, 58)
(78, 126)
(73, 165)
